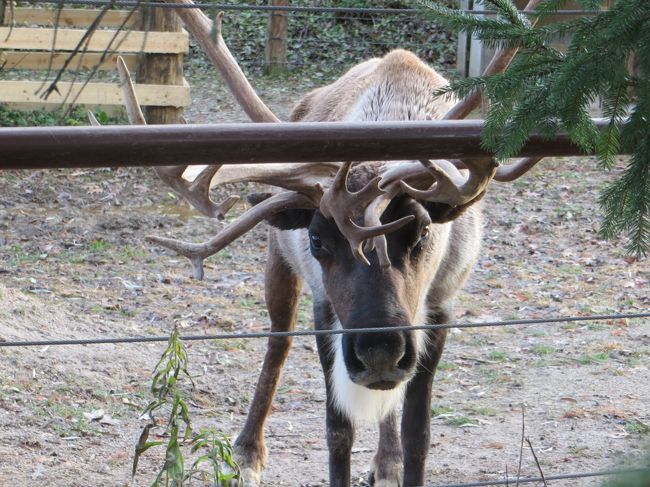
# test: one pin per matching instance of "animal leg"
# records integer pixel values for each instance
(417, 406)
(387, 464)
(340, 431)
(282, 290)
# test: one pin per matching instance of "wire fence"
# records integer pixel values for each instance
(315, 33)
(341, 331)
(293, 9)
(528, 480)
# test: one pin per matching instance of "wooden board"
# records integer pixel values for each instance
(95, 94)
(71, 17)
(35, 38)
(40, 60)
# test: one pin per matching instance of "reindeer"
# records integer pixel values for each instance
(379, 245)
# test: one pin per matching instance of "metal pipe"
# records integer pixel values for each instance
(162, 145)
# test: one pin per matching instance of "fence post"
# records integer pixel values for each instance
(161, 69)
(3, 10)
(275, 52)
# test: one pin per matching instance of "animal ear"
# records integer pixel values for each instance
(444, 213)
(284, 220)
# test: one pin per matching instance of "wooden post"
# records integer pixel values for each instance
(162, 69)
(462, 52)
(276, 39)
(3, 11)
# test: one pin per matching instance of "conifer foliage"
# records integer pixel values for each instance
(545, 91)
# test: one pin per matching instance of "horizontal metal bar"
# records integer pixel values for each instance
(161, 145)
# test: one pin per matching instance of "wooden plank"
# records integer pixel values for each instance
(113, 110)
(40, 60)
(73, 17)
(95, 94)
(35, 38)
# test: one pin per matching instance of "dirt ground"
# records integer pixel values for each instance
(74, 263)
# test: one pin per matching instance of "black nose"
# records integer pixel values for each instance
(380, 352)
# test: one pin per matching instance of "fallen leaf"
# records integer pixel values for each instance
(493, 445)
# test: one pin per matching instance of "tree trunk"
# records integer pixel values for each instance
(276, 39)
(161, 69)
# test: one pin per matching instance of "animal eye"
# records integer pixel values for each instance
(425, 233)
(315, 241)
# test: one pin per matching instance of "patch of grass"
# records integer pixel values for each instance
(497, 356)
(248, 303)
(128, 312)
(446, 366)
(98, 245)
(231, 344)
(596, 326)
(536, 332)
(69, 420)
(542, 349)
(497, 377)
(637, 427)
(476, 342)
(21, 256)
(438, 410)
(574, 270)
(538, 364)
(483, 411)
(592, 358)
(132, 252)
(578, 450)
(459, 421)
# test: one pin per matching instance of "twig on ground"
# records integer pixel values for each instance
(539, 467)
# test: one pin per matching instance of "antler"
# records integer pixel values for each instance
(198, 252)
(451, 186)
(341, 205)
(196, 192)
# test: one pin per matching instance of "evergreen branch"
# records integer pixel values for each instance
(509, 12)
(545, 91)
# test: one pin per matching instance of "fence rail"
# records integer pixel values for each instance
(160, 145)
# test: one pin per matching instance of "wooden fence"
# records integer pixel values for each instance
(33, 43)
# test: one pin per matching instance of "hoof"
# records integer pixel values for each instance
(386, 476)
(248, 478)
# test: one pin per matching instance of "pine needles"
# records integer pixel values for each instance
(545, 90)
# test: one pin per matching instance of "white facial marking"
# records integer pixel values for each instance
(358, 403)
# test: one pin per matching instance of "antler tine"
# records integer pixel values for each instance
(372, 216)
(197, 253)
(510, 172)
(340, 204)
(451, 187)
(197, 192)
